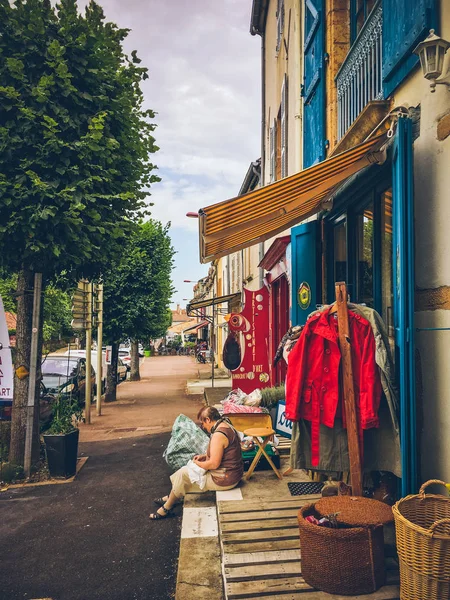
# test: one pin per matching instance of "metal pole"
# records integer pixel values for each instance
(31, 405)
(88, 385)
(99, 347)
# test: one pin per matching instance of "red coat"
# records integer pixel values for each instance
(313, 380)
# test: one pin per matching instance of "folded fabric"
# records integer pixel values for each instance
(196, 474)
(231, 407)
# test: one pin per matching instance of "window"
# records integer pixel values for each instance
(340, 252)
(364, 249)
(386, 263)
(359, 249)
(359, 11)
(280, 23)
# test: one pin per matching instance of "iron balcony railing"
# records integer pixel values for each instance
(359, 80)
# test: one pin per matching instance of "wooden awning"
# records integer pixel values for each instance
(240, 222)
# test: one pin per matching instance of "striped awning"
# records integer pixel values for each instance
(196, 327)
(240, 222)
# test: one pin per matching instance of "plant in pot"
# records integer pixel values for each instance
(61, 438)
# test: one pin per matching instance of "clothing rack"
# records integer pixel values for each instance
(354, 451)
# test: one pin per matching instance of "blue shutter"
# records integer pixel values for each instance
(403, 279)
(314, 84)
(405, 23)
(304, 257)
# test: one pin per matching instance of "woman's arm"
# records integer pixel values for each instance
(217, 445)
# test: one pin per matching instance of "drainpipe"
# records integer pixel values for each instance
(263, 137)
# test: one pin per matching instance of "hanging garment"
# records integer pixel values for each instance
(231, 352)
(382, 444)
(288, 341)
(312, 383)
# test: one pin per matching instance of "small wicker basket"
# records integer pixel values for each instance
(422, 526)
(348, 561)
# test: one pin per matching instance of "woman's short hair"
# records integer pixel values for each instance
(208, 412)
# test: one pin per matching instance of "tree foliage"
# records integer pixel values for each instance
(137, 290)
(75, 141)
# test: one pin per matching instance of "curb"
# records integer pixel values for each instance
(199, 575)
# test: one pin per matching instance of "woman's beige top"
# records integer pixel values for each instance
(231, 468)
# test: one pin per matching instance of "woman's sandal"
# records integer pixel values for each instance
(156, 516)
(160, 501)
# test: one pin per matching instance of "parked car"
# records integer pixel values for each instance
(82, 354)
(45, 409)
(126, 361)
(65, 375)
(122, 370)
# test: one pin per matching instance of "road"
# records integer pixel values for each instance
(92, 539)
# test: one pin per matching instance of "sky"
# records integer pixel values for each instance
(204, 84)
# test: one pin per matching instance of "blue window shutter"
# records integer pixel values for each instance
(314, 84)
(305, 262)
(405, 23)
(403, 280)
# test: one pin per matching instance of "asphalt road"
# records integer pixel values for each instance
(92, 539)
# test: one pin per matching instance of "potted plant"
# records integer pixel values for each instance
(61, 439)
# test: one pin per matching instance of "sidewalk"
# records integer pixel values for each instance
(92, 539)
(147, 406)
(244, 543)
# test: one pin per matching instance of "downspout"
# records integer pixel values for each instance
(263, 139)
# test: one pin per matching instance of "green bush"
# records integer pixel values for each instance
(270, 396)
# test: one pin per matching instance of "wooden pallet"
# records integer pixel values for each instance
(261, 557)
(284, 445)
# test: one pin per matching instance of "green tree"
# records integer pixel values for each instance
(75, 148)
(137, 292)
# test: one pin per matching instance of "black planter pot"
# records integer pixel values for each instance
(62, 451)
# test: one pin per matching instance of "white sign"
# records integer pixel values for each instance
(108, 355)
(283, 426)
(6, 368)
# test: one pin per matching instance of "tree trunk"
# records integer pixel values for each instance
(25, 284)
(134, 373)
(111, 374)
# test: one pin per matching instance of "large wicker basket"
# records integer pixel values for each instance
(346, 561)
(422, 526)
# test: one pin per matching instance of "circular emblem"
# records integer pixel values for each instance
(259, 298)
(304, 295)
(264, 377)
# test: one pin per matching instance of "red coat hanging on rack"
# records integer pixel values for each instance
(313, 385)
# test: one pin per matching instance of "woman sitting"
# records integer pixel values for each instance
(222, 462)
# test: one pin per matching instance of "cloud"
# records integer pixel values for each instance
(204, 83)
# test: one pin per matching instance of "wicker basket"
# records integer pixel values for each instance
(422, 526)
(346, 561)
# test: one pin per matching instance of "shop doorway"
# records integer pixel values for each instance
(280, 323)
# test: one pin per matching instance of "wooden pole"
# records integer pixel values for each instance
(349, 392)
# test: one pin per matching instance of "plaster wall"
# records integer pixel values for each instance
(432, 248)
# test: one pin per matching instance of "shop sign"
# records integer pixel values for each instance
(108, 354)
(282, 425)
(6, 369)
(252, 329)
(304, 295)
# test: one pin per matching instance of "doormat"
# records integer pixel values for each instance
(305, 487)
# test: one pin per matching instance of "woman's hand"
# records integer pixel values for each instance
(199, 457)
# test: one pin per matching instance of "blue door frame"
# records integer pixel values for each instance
(403, 282)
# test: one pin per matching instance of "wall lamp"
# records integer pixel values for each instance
(432, 54)
(192, 215)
